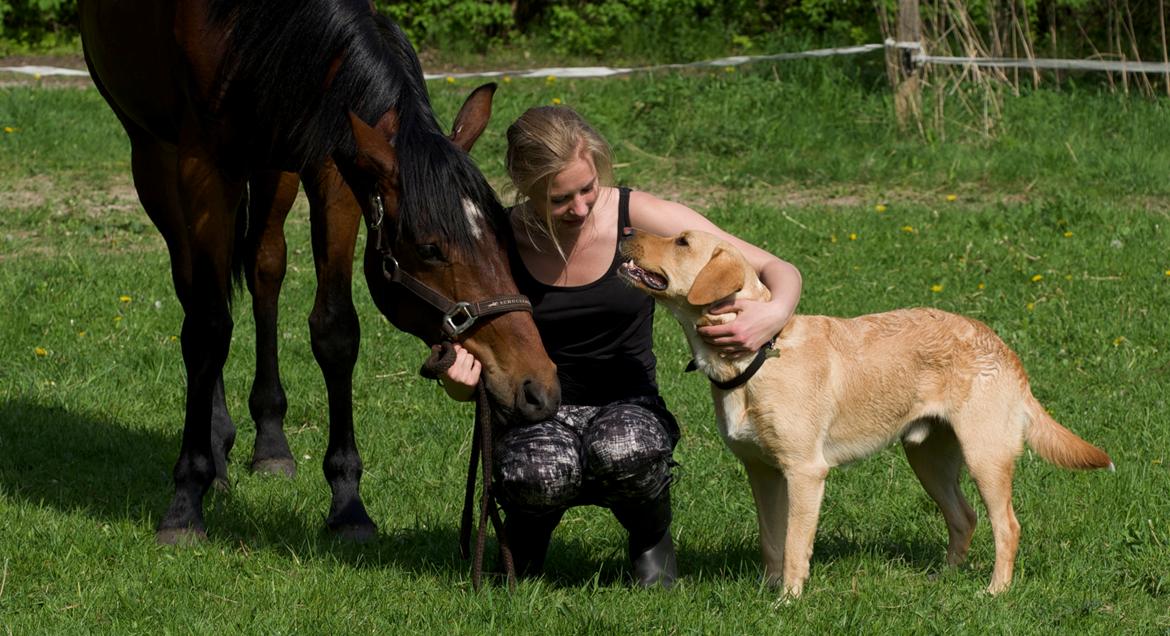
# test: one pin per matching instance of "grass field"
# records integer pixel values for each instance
(1056, 236)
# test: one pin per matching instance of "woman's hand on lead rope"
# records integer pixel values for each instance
(460, 380)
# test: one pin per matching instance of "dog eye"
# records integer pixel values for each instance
(681, 241)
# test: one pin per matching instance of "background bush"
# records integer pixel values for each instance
(677, 30)
(36, 23)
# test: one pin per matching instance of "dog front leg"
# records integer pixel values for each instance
(770, 491)
(806, 487)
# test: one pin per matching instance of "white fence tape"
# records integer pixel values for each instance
(606, 71)
(43, 70)
(1117, 66)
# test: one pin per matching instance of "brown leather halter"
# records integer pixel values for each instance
(458, 316)
(442, 356)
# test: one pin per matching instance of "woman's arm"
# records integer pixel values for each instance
(756, 323)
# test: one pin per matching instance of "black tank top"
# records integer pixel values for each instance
(599, 334)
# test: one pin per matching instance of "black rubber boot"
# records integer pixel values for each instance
(528, 538)
(652, 557)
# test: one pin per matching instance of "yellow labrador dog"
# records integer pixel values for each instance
(833, 390)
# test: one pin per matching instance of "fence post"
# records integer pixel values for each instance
(907, 91)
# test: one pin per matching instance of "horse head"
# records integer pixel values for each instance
(436, 259)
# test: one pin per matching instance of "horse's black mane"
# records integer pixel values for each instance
(278, 59)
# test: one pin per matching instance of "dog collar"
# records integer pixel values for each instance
(742, 378)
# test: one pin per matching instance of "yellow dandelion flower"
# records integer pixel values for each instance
(1030, 306)
(81, 334)
(909, 229)
(952, 197)
(507, 79)
(1167, 272)
(981, 286)
(1037, 278)
(1119, 340)
(1068, 234)
(556, 101)
(881, 207)
(936, 288)
(41, 352)
(9, 129)
(853, 236)
(174, 338)
(117, 319)
(728, 69)
(551, 79)
(450, 80)
(37, 77)
(124, 298)
(832, 238)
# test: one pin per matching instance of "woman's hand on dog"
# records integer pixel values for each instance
(755, 324)
(460, 379)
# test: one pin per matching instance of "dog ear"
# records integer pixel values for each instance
(721, 277)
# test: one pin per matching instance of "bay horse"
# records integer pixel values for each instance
(230, 105)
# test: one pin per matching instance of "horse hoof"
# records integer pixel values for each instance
(180, 536)
(281, 467)
(355, 533)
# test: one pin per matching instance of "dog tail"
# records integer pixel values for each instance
(1060, 446)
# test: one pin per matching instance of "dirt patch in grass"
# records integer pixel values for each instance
(841, 197)
(26, 193)
(63, 194)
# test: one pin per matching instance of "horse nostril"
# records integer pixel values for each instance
(535, 402)
(532, 396)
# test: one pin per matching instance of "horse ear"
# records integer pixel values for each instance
(473, 117)
(721, 277)
(375, 155)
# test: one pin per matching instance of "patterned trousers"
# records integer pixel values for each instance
(617, 456)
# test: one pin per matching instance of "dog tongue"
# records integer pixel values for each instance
(649, 279)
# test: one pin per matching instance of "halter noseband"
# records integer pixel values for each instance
(458, 316)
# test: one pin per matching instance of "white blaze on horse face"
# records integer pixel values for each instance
(474, 218)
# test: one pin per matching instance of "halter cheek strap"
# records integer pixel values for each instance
(458, 316)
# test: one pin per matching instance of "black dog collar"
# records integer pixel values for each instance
(741, 379)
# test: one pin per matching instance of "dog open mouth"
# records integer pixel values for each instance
(636, 274)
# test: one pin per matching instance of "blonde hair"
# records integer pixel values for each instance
(542, 143)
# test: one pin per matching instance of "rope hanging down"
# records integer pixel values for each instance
(441, 358)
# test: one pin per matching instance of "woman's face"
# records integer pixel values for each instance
(571, 194)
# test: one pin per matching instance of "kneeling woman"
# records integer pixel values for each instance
(611, 442)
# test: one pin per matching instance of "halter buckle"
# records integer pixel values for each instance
(389, 268)
(378, 207)
(462, 311)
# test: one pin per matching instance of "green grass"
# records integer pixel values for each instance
(792, 158)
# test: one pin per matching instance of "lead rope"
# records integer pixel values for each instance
(441, 358)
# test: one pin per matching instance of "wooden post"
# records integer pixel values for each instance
(1165, 53)
(907, 91)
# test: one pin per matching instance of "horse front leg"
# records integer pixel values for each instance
(335, 333)
(271, 197)
(209, 202)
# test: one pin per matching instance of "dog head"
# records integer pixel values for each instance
(687, 272)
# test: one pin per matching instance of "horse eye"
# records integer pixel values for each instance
(431, 252)
(681, 241)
